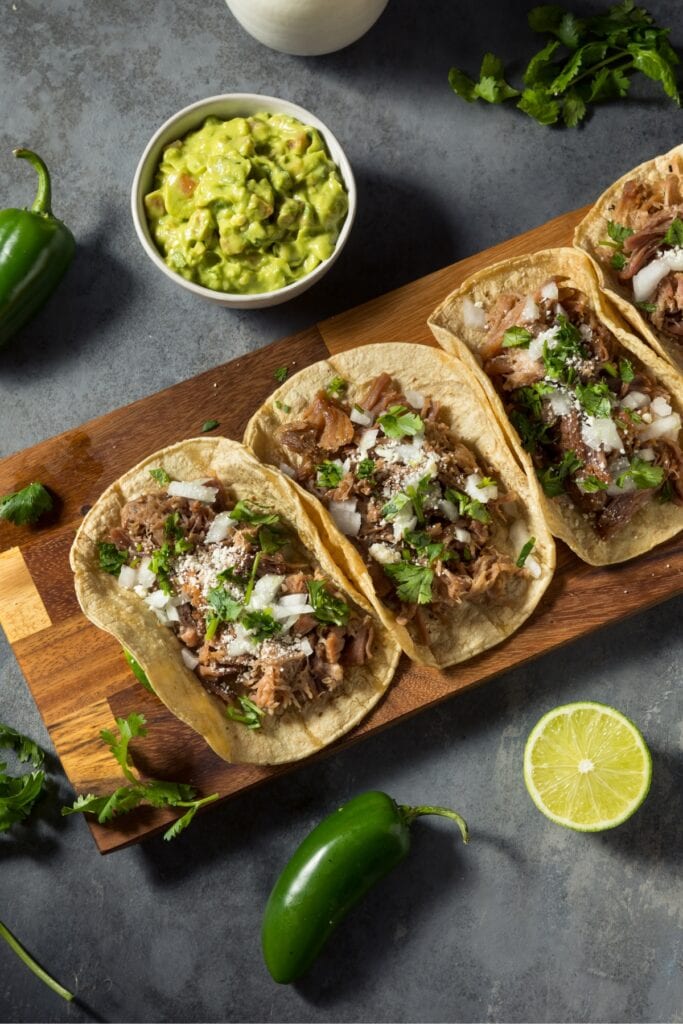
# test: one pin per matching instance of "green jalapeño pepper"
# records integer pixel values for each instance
(332, 869)
(35, 250)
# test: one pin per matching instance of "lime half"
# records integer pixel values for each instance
(586, 766)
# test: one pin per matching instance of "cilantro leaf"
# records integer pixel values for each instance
(280, 374)
(573, 109)
(540, 69)
(160, 565)
(626, 371)
(595, 398)
(643, 474)
(491, 86)
(208, 425)
(336, 387)
(540, 104)
(245, 513)
(326, 607)
(225, 609)
(111, 558)
(618, 261)
(250, 715)
(283, 407)
(417, 493)
(329, 474)
(397, 421)
(23, 747)
(26, 506)
(365, 469)
(517, 337)
(413, 582)
(161, 476)
(271, 540)
(467, 506)
(18, 794)
(552, 477)
(261, 624)
(590, 484)
(129, 728)
(395, 505)
(181, 824)
(674, 234)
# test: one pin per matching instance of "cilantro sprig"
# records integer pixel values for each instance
(249, 715)
(27, 505)
(18, 793)
(584, 61)
(413, 582)
(398, 421)
(552, 478)
(643, 474)
(327, 607)
(155, 792)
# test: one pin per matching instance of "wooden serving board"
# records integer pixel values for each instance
(76, 672)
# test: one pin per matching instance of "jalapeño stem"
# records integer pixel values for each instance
(409, 814)
(43, 201)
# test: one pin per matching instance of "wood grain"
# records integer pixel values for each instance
(76, 672)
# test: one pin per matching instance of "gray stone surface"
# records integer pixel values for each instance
(530, 922)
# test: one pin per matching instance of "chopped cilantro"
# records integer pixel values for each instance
(280, 374)
(531, 432)
(595, 399)
(417, 494)
(590, 484)
(426, 547)
(245, 513)
(666, 494)
(470, 507)
(413, 582)
(271, 540)
(618, 233)
(224, 609)
(161, 476)
(552, 477)
(487, 481)
(336, 387)
(283, 407)
(397, 421)
(567, 347)
(525, 552)
(25, 506)
(326, 607)
(647, 307)
(329, 474)
(395, 505)
(674, 235)
(365, 469)
(618, 261)
(261, 624)
(643, 474)
(160, 565)
(517, 337)
(250, 715)
(208, 425)
(531, 396)
(111, 558)
(626, 371)
(609, 368)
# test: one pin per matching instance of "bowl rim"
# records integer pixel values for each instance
(152, 151)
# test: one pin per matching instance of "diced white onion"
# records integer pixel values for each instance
(560, 310)
(190, 659)
(473, 316)
(635, 400)
(537, 344)
(414, 398)
(601, 432)
(533, 566)
(304, 646)
(172, 613)
(530, 311)
(661, 407)
(360, 416)
(290, 600)
(645, 282)
(158, 599)
(241, 643)
(464, 536)
(561, 402)
(401, 452)
(448, 509)
(281, 611)
(549, 291)
(647, 454)
(473, 489)
(345, 516)
(265, 591)
(161, 615)
(287, 470)
(219, 529)
(404, 521)
(194, 490)
(519, 535)
(346, 465)
(661, 427)
(367, 440)
(128, 577)
(146, 578)
(385, 554)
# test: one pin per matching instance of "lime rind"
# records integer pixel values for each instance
(615, 747)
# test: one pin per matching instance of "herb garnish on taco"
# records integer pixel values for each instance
(204, 565)
(419, 496)
(595, 412)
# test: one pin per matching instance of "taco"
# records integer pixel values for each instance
(634, 235)
(416, 492)
(205, 566)
(590, 407)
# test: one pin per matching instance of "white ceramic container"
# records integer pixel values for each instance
(307, 27)
(227, 106)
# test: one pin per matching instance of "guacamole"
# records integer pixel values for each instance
(247, 205)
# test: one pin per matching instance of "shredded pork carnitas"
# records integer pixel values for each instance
(258, 622)
(599, 429)
(416, 503)
(646, 232)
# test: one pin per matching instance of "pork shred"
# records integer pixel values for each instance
(456, 573)
(648, 209)
(551, 436)
(290, 669)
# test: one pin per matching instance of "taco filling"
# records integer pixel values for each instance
(421, 510)
(646, 239)
(259, 624)
(600, 431)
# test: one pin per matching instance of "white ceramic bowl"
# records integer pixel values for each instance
(227, 106)
(307, 27)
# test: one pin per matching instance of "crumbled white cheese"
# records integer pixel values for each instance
(385, 554)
